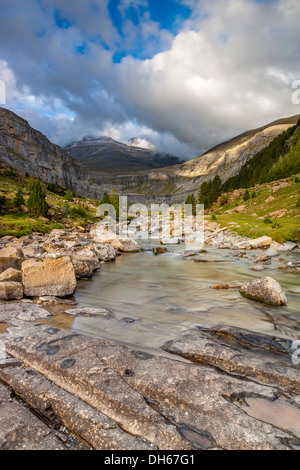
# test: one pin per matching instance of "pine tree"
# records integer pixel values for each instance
(69, 196)
(19, 199)
(105, 198)
(37, 205)
(191, 200)
(246, 195)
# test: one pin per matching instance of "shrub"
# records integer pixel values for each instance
(253, 195)
(2, 202)
(297, 180)
(213, 217)
(246, 196)
(69, 195)
(37, 205)
(19, 199)
(79, 210)
(268, 220)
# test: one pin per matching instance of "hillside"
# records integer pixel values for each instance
(105, 155)
(273, 209)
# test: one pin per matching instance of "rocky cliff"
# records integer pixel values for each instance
(28, 150)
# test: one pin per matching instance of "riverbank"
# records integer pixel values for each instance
(196, 391)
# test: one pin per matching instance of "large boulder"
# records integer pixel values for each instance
(11, 291)
(49, 277)
(265, 290)
(262, 242)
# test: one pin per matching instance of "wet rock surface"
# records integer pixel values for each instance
(116, 397)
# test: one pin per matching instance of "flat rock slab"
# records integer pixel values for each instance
(62, 408)
(20, 429)
(170, 404)
(22, 312)
(260, 365)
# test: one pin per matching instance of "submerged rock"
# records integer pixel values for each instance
(159, 250)
(265, 290)
(49, 277)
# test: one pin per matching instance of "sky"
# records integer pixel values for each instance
(183, 75)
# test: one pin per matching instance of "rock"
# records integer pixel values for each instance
(258, 268)
(11, 251)
(105, 252)
(262, 242)
(83, 269)
(6, 263)
(159, 250)
(34, 250)
(170, 404)
(240, 209)
(88, 256)
(288, 246)
(90, 312)
(49, 277)
(11, 290)
(270, 199)
(221, 286)
(22, 312)
(126, 245)
(11, 274)
(272, 252)
(20, 429)
(265, 290)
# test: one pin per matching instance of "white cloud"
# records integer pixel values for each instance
(229, 69)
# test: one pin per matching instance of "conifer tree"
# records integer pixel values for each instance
(37, 204)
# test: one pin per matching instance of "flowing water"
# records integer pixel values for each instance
(166, 295)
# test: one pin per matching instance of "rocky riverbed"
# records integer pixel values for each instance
(221, 387)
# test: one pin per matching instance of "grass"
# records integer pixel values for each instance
(257, 220)
(61, 214)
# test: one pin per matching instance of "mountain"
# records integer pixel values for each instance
(105, 155)
(28, 150)
(125, 167)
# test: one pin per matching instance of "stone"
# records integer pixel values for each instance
(20, 429)
(11, 290)
(262, 242)
(6, 263)
(288, 246)
(126, 245)
(49, 277)
(105, 252)
(170, 404)
(90, 312)
(11, 274)
(83, 269)
(270, 199)
(265, 290)
(159, 250)
(11, 251)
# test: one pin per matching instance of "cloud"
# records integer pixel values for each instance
(229, 69)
